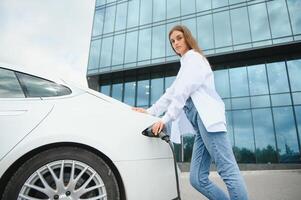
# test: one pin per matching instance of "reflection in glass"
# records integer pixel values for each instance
(158, 47)
(129, 93)
(219, 3)
(259, 22)
(264, 136)
(168, 81)
(298, 119)
(240, 26)
(278, 16)
(281, 99)
(131, 47)
(105, 89)
(239, 82)
(187, 7)
(188, 142)
(38, 87)
(100, 2)
(109, 19)
(230, 127)
(258, 80)
(121, 16)
(222, 29)
(294, 71)
(142, 93)
(133, 14)
(260, 101)
(159, 10)
(169, 50)
(117, 91)
(98, 22)
(173, 8)
(9, 85)
(294, 7)
(145, 12)
(241, 103)
(244, 141)
(106, 52)
(202, 5)
(156, 89)
(227, 103)
(144, 44)
(191, 25)
(277, 77)
(297, 98)
(205, 32)
(118, 50)
(236, 1)
(286, 134)
(221, 79)
(94, 54)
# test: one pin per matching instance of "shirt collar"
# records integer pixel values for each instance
(187, 53)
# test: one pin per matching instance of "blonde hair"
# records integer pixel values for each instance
(189, 39)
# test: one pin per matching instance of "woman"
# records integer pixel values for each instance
(194, 92)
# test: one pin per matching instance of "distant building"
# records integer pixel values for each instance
(255, 51)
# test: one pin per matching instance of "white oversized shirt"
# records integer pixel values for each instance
(194, 79)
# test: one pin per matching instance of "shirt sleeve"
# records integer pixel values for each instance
(191, 76)
(162, 103)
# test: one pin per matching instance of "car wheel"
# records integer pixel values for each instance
(63, 173)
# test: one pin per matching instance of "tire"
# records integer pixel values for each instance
(80, 168)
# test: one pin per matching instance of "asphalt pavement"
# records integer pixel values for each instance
(261, 185)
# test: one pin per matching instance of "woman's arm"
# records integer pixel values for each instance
(193, 73)
(162, 103)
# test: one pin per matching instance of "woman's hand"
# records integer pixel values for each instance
(157, 127)
(141, 110)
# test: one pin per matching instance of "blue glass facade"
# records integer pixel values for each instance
(252, 45)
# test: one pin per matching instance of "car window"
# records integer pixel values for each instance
(38, 87)
(9, 85)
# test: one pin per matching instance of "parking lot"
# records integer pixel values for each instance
(262, 185)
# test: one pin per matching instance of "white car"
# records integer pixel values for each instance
(60, 141)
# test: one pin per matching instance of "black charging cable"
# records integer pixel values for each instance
(148, 132)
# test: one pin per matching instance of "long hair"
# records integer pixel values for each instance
(190, 40)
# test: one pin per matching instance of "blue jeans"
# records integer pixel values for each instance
(214, 146)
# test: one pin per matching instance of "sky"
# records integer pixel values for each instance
(47, 35)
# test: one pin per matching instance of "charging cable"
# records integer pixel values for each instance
(148, 132)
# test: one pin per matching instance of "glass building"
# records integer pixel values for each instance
(254, 48)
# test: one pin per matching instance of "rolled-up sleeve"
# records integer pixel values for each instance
(193, 72)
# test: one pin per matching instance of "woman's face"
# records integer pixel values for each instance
(178, 42)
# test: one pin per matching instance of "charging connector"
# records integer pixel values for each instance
(148, 132)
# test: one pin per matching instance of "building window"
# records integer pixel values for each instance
(243, 133)
(143, 93)
(266, 151)
(117, 89)
(278, 81)
(259, 22)
(157, 89)
(286, 134)
(129, 93)
(239, 82)
(105, 89)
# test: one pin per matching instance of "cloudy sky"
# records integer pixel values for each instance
(48, 35)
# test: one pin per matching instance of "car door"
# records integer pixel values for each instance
(19, 113)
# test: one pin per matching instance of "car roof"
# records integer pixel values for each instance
(42, 73)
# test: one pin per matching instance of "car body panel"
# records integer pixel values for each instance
(149, 179)
(91, 119)
(13, 120)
